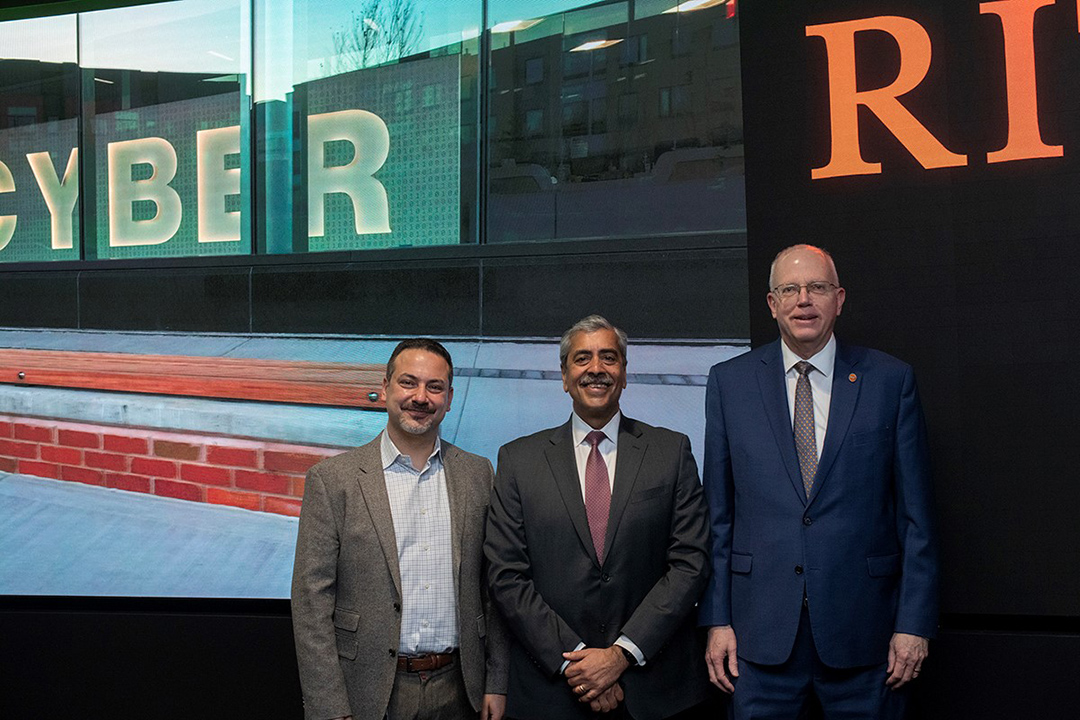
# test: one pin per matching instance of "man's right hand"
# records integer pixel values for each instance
(608, 700)
(721, 659)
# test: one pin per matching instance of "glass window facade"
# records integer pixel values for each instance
(231, 127)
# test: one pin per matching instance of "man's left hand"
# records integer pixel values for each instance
(494, 707)
(593, 670)
(906, 655)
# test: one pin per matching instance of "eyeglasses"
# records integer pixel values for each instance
(792, 290)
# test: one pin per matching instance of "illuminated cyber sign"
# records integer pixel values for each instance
(1016, 19)
(365, 132)
(379, 165)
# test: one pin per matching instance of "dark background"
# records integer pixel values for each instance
(967, 273)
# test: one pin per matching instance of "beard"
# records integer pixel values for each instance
(415, 427)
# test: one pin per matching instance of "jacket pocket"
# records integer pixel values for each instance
(872, 437)
(346, 619)
(883, 565)
(647, 494)
(345, 624)
(741, 563)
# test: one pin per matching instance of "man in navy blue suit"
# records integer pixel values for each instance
(824, 558)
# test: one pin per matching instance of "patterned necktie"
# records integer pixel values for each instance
(805, 439)
(597, 493)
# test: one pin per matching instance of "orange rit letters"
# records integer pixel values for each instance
(1017, 25)
(844, 98)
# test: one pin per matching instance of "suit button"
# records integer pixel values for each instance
(605, 577)
(807, 521)
(392, 652)
(397, 607)
(603, 627)
(798, 569)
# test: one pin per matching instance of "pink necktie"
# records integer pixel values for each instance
(597, 493)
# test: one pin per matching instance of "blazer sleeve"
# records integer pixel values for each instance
(544, 634)
(314, 585)
(720, 495)
(917, 609)
(497, 639)
(673, 596)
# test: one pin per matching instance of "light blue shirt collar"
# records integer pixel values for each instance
(390, 452)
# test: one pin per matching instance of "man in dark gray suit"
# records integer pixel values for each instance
(389, 599)
(596, 545)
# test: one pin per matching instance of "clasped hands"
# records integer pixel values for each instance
(593, 675)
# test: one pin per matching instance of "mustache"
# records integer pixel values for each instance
(591, 378)
(418, 407)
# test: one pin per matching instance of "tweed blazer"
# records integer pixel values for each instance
(346, 589)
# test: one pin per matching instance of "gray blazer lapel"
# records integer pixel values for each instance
(774, 394)
(845, 394)
(631, 450)
(456, 492)
(560, 457)
(373, 487)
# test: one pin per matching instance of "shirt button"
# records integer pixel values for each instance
(427, 586)
(424, 623)
(798, 569)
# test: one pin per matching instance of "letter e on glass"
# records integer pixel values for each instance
(216, 182)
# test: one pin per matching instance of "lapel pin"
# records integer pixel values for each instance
(852, 377)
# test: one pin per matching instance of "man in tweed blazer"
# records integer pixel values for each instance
(389, 599)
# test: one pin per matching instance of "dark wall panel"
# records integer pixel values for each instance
(395, 298)
(44, 300)
(677, 294)
(956, 270)
(193, 299)
(136, 664)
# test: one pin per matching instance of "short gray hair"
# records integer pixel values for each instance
(590, 324)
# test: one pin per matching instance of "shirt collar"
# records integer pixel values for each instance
(579, 428)
(824, 361)
(390, 452)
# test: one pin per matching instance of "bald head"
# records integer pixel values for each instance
(800, 250)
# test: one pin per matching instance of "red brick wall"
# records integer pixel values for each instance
(248, 474)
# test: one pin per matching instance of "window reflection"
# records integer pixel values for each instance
(648, 136)
(410, 64)
(39, 105)
(166, 91)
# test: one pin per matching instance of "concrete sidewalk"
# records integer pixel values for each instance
(64, 538)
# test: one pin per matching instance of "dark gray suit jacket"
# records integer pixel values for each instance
(547, 583)
(346, 590)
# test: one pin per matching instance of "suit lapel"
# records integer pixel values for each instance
(560, 457)
(845, 394)
(373, 487)
(457, 502)
(774, 395)
(631, 450)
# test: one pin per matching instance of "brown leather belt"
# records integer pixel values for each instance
(425, 662)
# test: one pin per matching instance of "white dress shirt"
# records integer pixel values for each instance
(420, 509)
(820, 377)
(608, 448)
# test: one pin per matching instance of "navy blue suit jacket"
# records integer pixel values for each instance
(862, 546)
